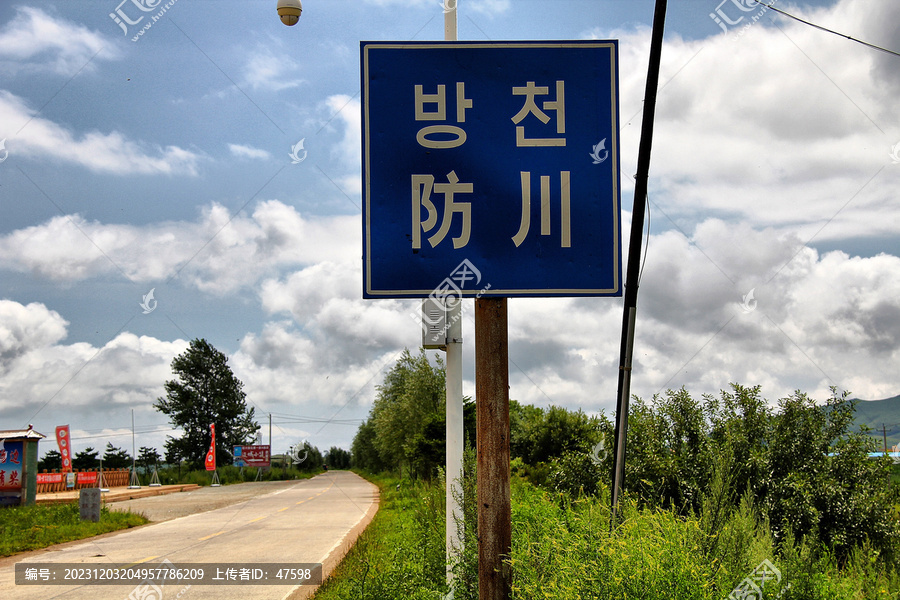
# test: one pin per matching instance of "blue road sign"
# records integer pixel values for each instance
(490, 169)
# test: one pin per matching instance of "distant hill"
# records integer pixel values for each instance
(875, 413)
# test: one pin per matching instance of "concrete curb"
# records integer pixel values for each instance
(117, 494)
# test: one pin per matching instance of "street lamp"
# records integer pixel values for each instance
(289, 11)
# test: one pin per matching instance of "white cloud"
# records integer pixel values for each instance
(819, 321)
(271, 68)
(242, 151)
(24, 327)
(346, 111)
(101, 152)
(37, 368)
(489, 7)
(34, 40)
(286, 370)
(216, 254)
(775, 128)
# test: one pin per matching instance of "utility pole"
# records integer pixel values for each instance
(626, 350)
(884, 435)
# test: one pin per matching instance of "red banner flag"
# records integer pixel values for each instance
(65, 447)
(211, 455)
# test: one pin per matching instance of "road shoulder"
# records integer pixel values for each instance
(339, 551)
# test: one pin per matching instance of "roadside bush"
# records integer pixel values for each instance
(808, 473)
(576, 474)
(844, 500)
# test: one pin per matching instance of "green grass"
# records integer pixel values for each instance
(33, 527)
(228, 475)
(565, 549)
(390, 560)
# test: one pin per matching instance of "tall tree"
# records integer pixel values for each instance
(338, 458)
(411, 397)
(148, 457)
(205, 391)
(86, 459)
(116, 458)
(365, 454)
(50, 461)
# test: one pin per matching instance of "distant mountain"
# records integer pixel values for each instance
(878, 413)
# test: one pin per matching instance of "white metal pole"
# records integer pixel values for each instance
(453, 382)
(454, 433)
(450, 30)
(133, 481)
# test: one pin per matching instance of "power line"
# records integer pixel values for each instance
(334, 421)
(109, 435)
(138, 429)
(843, 35)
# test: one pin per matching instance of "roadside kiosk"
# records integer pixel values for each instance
(18, 466)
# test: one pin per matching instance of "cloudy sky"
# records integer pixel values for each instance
(161, 161)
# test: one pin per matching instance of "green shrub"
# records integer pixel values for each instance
(576, 474)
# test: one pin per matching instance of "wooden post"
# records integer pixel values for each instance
(492, 437)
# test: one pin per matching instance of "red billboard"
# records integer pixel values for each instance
(251, 456)
(43, 478)
(87, 478)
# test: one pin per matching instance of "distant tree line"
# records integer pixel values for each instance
(406, 428)
(89, 459)
(801, 466)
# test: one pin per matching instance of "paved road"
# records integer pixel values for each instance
(182, 504)
(309, 521)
